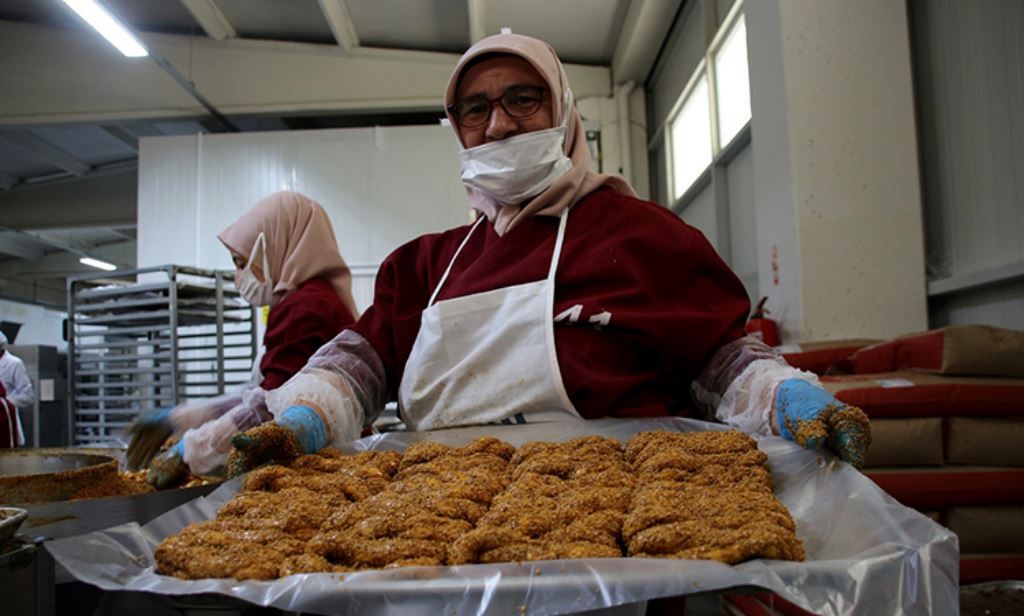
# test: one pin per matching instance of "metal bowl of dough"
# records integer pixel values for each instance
(46, 475)
(54, 484)
(10, 519)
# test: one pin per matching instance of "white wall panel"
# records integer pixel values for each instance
(380, 186)
(1002, 306)
(700, 213)
(970, 82)
(743, 221)
(167, 201)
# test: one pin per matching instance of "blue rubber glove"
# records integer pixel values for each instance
(149, 431)
(297, 430)
(169, 469)
(811, 417)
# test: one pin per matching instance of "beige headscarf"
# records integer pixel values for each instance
(579, 181)
(300, 244)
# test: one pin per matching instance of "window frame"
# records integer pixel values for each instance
(720, 154)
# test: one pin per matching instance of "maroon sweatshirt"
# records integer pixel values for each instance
(642, 300)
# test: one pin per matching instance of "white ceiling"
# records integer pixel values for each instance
(73, 110)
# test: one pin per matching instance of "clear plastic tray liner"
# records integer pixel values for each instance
(867, 554)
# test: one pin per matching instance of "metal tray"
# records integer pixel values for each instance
(867, 553)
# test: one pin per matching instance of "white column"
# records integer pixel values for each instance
(839, 227)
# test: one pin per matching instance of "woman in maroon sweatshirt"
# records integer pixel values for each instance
(569, 298)
(287, 258)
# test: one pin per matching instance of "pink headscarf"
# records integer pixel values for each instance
(579, 181)
(300, 244)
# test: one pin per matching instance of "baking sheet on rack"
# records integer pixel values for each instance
(866, 552)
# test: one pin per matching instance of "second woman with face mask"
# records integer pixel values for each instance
(287, 258)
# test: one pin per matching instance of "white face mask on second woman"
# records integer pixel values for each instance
(249, 287)
(513, 170)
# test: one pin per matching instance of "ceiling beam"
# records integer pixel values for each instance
(124, 136)
(338, 18)
(55, 265)
(58, 264)
(99, 199)
(120, 232)
(7, 181)
(67, 243)
(14, 244)
(190, 87)
(477, 21)
(239, 76)
(61, 177)
(46, 151)
(142, 129)
(49, 293)
(213, 21)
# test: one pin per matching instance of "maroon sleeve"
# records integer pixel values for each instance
(668, 303)
(298, 326)
(403, 287)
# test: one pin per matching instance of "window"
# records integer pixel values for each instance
(690, 136)
(732, 83)
(714, 107)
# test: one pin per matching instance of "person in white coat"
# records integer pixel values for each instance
(15, 380)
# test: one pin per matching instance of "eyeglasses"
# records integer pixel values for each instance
(517, 101)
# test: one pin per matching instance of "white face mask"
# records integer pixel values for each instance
(249, 287)
(513, 170)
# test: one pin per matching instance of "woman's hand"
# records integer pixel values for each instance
(811, 417)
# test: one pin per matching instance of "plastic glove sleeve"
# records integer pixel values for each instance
(328, 393)
(194, 414)
(738, 384)
(207, 447)
(344, 380)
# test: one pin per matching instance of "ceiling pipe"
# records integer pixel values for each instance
(190, 87)
(644, 28)
(477, 21)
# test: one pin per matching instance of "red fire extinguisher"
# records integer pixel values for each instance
(762, 327)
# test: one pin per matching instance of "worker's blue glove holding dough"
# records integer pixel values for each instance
(169, 469)
(149, 431)
(811, 417)
(297, 430)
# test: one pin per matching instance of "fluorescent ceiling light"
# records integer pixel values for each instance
(106, 24)
(103, 265)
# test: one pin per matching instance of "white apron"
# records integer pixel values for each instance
(488, 357)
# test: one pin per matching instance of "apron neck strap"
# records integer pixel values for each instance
(437, 289)
(562, 218)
